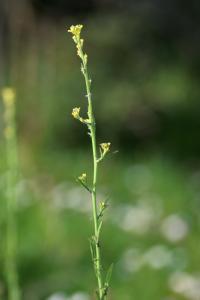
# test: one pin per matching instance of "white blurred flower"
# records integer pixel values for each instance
(174, 228)
(131, 261)
(138, 218)
(158, 257)
(186, 285)
(80, 296)
(76, 198)
(75, 296)
(57, 296)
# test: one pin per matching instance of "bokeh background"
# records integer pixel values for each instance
(144, 63)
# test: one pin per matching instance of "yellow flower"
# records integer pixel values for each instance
(102, 205)
(75, 30)
(83, 177)
(8, 96)
(76, 112)
(105, 147)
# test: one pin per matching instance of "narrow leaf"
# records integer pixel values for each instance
(108, 275)
(91, 249)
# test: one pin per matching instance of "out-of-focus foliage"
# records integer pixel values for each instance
(151, 234)
(145, 70)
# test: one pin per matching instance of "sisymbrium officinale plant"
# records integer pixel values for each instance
(98, 155)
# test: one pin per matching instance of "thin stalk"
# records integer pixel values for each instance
(11, 180)
(95, 171)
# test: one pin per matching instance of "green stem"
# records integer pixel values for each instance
(11, 232)
(92, 128)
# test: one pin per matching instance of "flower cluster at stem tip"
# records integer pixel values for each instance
(75, 30)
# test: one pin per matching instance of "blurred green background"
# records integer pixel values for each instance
(144, 63)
